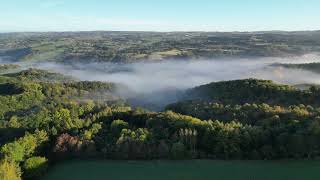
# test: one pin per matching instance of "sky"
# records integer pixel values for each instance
(159, 15)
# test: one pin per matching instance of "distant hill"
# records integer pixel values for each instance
(39, 75)
(6, 68)
(139, 46)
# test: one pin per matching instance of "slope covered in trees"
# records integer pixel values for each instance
(286, 117)
(44, 122)
(253, 91)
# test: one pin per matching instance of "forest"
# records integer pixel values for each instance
(47, 118)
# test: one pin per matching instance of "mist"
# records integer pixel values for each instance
(157, 76)
(155, 84)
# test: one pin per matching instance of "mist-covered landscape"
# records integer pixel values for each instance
(201, 91)
(152, 85)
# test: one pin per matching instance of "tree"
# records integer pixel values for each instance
(163, 149)
(14, 152)
(133, 144)
(117, 126)
(35, 167)
(9, 171)
(24, 147)
(177, 150)
(14, 122)
(67, 144)
(62, 120)
(88, 134)
(89, 105)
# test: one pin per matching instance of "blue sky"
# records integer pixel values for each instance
(159, 15)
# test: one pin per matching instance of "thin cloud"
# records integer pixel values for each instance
(51, 3)
(66, 22)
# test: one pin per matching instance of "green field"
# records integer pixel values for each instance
(185, 170)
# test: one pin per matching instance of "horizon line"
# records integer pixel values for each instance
(75, 31)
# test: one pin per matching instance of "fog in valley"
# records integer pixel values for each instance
(158, 83)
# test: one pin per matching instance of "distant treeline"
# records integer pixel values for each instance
(314, 67)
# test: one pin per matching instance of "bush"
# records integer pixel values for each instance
(35, 167)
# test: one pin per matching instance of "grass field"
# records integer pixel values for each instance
(185, 170)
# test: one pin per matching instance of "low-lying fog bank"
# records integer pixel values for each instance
(158, 76)
(157, 83)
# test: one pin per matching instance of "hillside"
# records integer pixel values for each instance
(249, 101)
(249, 91)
